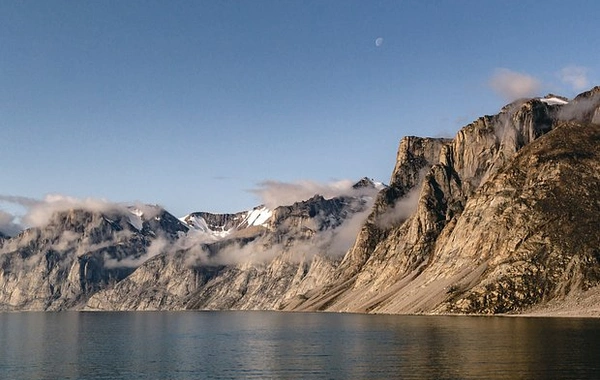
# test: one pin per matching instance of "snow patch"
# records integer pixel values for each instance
(379, 185)
(135, 218)
(258, 217)
(198, 224)
(554, 101)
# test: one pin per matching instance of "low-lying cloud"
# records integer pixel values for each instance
(584, 109)
(403, 208)
(301, 244)
(332, 242)
(275, 193)
(158, 246)
(8, 224)
(39, 214)
(40, 211)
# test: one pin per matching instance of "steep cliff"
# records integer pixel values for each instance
(478, 240)
(77, 253)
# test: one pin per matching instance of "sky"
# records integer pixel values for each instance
(205, 105)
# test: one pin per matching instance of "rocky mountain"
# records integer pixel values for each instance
(222, 225)
(506, 219)
(77, 253)
(502, 218)
(254, 266)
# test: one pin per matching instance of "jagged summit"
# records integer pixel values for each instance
(369, 183)
(223, 225)
(584, 108)
(148, 220)
(552, 99)
(451, 253)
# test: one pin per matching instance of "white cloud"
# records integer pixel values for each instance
(575, 76)
(402, 209)
(158, 246)
(276, 193)
(513, 85)
(40, 213)
(22, 201)
(8, 224)
(334, 242)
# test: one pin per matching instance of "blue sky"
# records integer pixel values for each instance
(193, 104)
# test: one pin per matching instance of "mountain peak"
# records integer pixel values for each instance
(368, 184)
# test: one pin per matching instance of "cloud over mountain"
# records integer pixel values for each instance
(514, 85)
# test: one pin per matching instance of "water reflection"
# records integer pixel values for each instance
(283, 345)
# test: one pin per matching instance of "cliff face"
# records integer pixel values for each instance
(531, 229)
(490, 232)
(77, 253)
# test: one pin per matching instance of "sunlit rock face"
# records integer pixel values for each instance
(504, 220)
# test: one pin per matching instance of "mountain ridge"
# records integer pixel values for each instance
(497, 220)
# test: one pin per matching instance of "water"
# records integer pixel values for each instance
(262, 345)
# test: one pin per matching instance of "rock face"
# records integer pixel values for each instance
(215, 222)
(76, 254)
(263, 267)
(503, 218)
(221, 225)
(506, 219)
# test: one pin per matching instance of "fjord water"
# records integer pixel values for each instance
(226, 345)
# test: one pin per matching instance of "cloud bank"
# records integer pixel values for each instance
(402, 209)
(275, 193)
(331, 242)
(40, 211)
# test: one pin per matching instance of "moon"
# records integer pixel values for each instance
(379, 41)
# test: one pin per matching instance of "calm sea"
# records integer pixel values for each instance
(263, 345)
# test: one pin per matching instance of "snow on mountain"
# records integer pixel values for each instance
(199, 224)
(379, 185)
(135, 218)
(553, 101)
(259, 216)
(222, 225)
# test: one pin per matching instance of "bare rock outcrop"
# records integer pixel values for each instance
(467, 247)
(79, 252)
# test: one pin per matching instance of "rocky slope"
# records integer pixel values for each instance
(77, 253)
(253, 267)
(502, 218)
(506, 219)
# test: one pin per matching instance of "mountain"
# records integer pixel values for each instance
(259, 264)
(502, 218)
(222, 225)
(506, 220)
(77, 253)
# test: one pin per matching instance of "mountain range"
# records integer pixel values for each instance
(501, 219)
